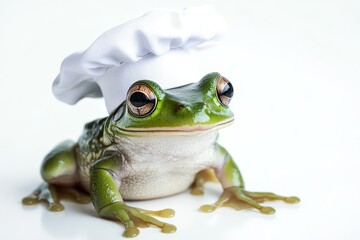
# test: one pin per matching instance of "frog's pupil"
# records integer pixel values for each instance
(139, 99)
(228, 90)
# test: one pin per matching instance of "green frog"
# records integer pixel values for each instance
(155, 144)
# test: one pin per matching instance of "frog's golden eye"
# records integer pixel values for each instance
(141, 100)
(224, 90)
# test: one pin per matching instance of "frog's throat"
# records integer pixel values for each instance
(181, 130)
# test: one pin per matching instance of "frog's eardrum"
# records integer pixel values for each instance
(154, 47)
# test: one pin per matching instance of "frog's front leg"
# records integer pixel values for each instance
(235, 195)
(105, 183)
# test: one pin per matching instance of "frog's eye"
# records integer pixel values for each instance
(224, 91)
(141, 100)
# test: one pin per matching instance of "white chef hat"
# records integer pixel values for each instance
(155, 47)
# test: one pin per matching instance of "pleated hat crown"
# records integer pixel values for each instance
(156, 46)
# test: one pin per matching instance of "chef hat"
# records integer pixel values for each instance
(155, 47)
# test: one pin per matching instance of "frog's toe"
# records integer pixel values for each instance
(292, 199)
(33, 198)
(197, 191)
(168, 228)
(164, 213)
(131, 232)
(131, 229)
(208, 208)
(267, 210)
(30, 200)
(55, 207)
(269, 196)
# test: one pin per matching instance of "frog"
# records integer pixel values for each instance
(156, 143)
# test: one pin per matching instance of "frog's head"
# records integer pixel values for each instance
(189, 109)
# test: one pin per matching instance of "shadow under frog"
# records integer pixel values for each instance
(155, 144)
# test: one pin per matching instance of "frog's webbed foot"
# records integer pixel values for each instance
(51, 195)
(206, 175)
(132, 218)
(238, 198)
(46, 193)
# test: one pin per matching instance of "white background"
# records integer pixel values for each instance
(295, 67)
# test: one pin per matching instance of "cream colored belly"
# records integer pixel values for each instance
(148, 187)
(164, 166)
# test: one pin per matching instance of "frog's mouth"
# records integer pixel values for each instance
(181, 130)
